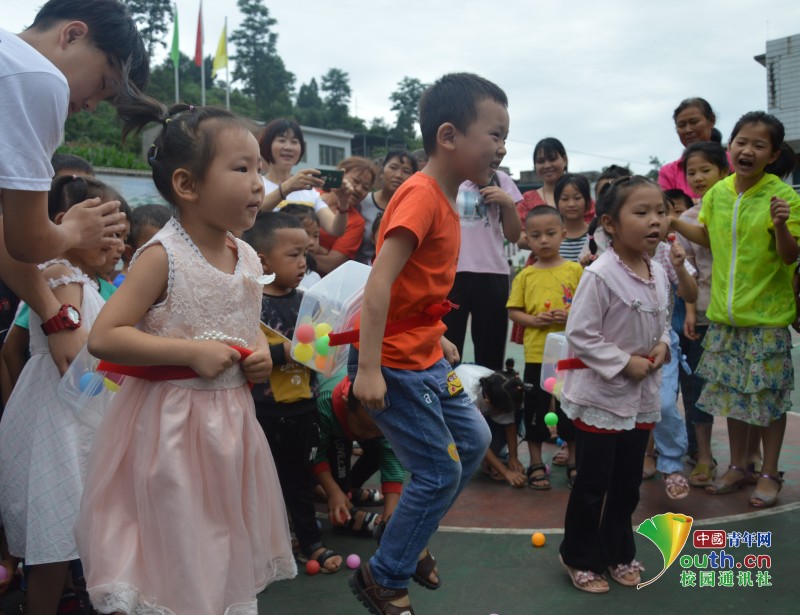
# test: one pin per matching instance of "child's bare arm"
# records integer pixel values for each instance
(369, 386)
(693, 232)
(785, 244)
(114, 336)
(540, 320)
(687, 285)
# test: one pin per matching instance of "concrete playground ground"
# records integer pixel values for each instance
(488, 565)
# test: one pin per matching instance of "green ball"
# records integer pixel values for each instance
(323, 347)
(551, 419)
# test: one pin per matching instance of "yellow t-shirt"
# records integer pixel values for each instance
(538, 290)
(750, 285)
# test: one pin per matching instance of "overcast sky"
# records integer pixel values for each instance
(602, 76)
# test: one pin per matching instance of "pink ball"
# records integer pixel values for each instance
(353, 561)
(305, 334)
(549, 384)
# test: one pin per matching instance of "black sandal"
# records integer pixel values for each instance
(373, 498)
(572, 472)
(365, 530)
(422, 574)
(539, 482)
(323, 557)
(376, 598)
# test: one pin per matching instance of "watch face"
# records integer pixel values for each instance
(73, 316)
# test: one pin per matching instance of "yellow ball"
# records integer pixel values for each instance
(538, 539)
(322, 329)
(110, 385)
(303, 353)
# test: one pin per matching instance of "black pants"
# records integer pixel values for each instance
(537, 404)
(598, 530)
(351, 479)
(293, 442)
(484, 295)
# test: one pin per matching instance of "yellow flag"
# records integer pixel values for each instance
(221, 59)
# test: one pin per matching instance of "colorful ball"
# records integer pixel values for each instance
(90, 383)
(538, 539)
(110, 385)
(558, 388)
(549, 384)
(303, 352)
(559, 442)
(353, 561)
(312, 567)
(323, 345)
(305, 334)
(551, 419)
(322, 329)
(321, 362)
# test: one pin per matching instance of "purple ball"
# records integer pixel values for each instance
(353, 561)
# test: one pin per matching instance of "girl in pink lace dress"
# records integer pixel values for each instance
(182, 510)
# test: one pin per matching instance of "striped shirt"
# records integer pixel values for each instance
(571, 248)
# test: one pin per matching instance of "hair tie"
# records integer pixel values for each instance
(152, 153)
(74, 177)
(191, 107)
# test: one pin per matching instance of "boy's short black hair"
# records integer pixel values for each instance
(71, 162)
(151, 214)
(454, 98)
(111, 29)
(676, 194)
(544, 210)
(261, 237)
(300, 210)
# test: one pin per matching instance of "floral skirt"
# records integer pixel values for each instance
(748, 373)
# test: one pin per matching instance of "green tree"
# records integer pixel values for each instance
(258, 66)
(162, 86)
(153, 19)
(656, 164)
(405, 102)
(336, 85)
(309, 108)
(379, 127)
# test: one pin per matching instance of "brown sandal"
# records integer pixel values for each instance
(377, 598)
(422, 574)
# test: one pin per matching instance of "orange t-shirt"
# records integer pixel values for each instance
(350, 241)
(420, 206)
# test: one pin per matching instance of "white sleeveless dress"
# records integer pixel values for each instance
(41, 442)
(182, 510)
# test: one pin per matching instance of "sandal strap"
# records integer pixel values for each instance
(776, 479)
(536, 468)
(623, 569)
(426, 565)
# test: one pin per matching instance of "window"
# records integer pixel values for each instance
(330, 155)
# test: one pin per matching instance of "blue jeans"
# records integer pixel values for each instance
(670, 431)
(440, 439)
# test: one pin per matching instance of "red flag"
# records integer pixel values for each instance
(198, 50)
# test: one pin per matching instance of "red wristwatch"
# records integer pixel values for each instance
(68, 317)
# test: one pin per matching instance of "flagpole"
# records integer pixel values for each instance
(176, 55)
(199, 60)
(227, 78)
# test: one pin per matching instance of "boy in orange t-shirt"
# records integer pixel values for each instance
(403, 379)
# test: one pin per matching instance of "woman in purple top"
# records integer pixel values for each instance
(694, 121)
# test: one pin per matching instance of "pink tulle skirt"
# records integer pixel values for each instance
(182, 510)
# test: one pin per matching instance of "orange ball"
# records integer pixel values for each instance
(538, 539)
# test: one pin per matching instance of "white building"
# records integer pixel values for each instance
(324, 148)
(782, 61)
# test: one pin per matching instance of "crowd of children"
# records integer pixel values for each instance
(197, 488)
